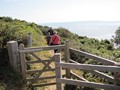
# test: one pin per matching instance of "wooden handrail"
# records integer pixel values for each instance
(89, 67)
(91, 56)
(28, 50)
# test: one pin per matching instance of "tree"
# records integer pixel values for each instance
(116, 38)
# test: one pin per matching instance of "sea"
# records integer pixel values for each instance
(92, 29)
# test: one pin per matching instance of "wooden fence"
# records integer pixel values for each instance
(109, 66)
(19, 55)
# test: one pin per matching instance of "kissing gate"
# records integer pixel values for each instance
(60, 67)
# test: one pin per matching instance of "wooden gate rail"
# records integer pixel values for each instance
(73, 75)
(87, 67)
(95, 72)
(28, 50)
(87, 84)
(94, 57)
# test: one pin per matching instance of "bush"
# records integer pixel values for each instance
(70, 87)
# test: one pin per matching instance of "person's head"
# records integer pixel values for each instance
(55, 32)
(50, 28)
(48, 33)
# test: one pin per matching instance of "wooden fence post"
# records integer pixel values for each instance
(117, 75)
(57, 57)
(29, 40)
(12, 52)
(22, 60)
(67, 57)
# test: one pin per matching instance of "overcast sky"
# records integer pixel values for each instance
(44, 11)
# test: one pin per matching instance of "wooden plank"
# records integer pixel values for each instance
(22, 60)
(57, 57)
(36, 61)
(98, 73)
(35, 56)
(53, 47)
(41, 78)
(91, 56)
(47, 47)
(32, 62)
(46, 70)
(72, 61)
(46, 84)
(103, 75)
(89, 67)
(78, 77)
(89, 84)
(28, 50)
(67, 58)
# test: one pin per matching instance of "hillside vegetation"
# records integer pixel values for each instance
(18, 30)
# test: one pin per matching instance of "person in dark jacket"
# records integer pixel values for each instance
(48, 38)
(50, 30)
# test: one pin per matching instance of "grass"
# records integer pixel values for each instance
(10, 79)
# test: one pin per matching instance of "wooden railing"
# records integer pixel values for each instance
(18, 55)
(94, 69)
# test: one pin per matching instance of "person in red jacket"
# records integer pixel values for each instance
(55, 40)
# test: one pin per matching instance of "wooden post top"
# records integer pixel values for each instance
(12, 42)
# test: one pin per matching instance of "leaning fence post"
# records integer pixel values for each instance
(22, 60)
(57, 58)
(29, 39)
(12, 52)
(67, 57)
(117, 75)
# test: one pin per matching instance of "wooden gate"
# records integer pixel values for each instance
(44, 66)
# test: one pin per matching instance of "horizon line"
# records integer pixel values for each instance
(80, 21)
